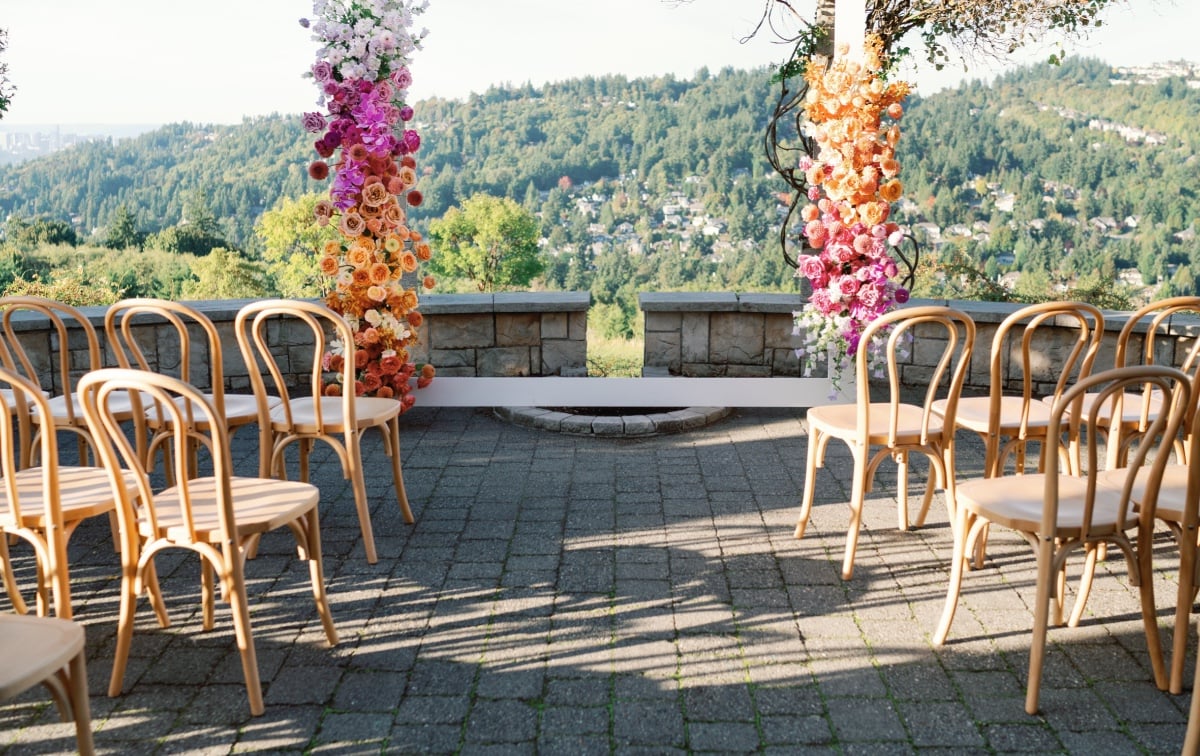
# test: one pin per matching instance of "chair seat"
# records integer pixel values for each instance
(84, 492)
(841, 421)
(122, 407)
(34, 648)
(974, 413)
(369, 411)
(10, 398)
(240, 409)
(1131, 407)
(1017, 502)
(1172, 491)
(262, 505)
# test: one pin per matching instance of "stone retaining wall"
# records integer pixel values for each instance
(699, 334)
(511, 334)
(704, 334)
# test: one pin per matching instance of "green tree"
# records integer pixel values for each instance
(292, 241)
(122, 230)
(224, 274)
(490, 241)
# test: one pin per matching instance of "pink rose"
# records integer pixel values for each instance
(868, 297)
(811, 267)
(848, 285)
(322, 70)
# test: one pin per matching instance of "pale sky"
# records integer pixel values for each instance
(163, 61)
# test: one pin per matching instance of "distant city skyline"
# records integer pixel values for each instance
(149, 62)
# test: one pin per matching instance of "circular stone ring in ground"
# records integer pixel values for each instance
(618, 426)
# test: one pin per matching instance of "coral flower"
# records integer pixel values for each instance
(429, 282)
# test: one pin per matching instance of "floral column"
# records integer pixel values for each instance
(368, 144)
(852, 183)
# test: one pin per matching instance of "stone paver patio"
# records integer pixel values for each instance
(571, 594)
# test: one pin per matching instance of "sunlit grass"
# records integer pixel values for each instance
(614, 358)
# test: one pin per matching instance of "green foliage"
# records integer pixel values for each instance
(224, 274)
(291, 241)
(27, 234)
(122, 230)
(72, 287)
(491, 241)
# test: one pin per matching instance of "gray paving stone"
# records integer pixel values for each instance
(577, 594)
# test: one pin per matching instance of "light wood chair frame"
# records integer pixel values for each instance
(1059, 513)
(1008, 422)
(49, 651)
(214, 516)
(124, 328)
(43, 505)
(302, 419)
(897, 428)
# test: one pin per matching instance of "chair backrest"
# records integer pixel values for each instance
(127, 323)
(1110, 388)
(1154, 320)
(887, 339)
(101, 393)
(302, 324)
(22, 399)
(65, 322)
(1020, 351)
(1157, 324)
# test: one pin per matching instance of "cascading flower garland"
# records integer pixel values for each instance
(362, 73)
(852, 182)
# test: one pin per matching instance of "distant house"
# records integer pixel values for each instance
(931, 231)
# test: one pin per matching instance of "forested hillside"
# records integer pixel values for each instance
(1059, 173)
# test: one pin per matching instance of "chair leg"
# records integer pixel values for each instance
(1183, 607)
(1046, 581)
(1092, 553)
(1191, 741)
(206, 592)
(234, 581)
(902, 491)
(393, 448)
(312, 552)
(958, 562)
(1145, 564)
(10, 583)
(352, 468)
(810, 481)
(125, 622)
(77, 694)
(858, 495)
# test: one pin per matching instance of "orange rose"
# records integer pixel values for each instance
(429, 282)
(408, 261)
(379, 273)
(892, 190)
(329, 265)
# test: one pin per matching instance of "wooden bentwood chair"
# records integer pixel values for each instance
(304, 415)
(897, 428)
(1178, 506)
(1008, 421)
(69, 328)
(216, 516)
(1059, 513)
(194, 353)
(49, 651)
(43, 505)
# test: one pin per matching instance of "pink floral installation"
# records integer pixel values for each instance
(363, 76)
(852, 181)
